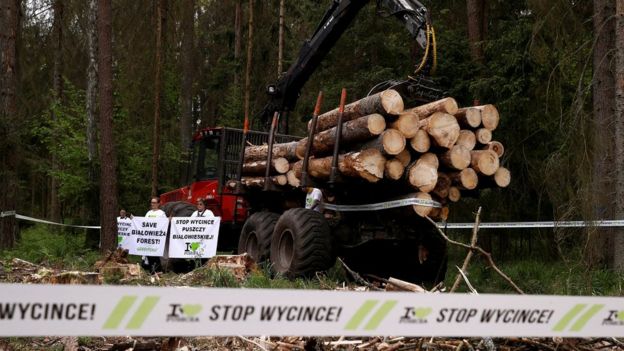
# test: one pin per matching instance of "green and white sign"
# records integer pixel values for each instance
(194, 237)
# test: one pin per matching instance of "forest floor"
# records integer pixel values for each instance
(50, 258)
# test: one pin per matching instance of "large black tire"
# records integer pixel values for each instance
(255, 238)
(177, 265)
(301, 244)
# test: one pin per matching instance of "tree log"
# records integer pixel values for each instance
(501, 179)
(467, 139)
(457, 158)
(422, 211)
(368, 164)
(258, 182)
(422, 175)
(466, 178)
(489, 116)
(439, 214)
(388, 102)
(421, 142)
(429, 158)
(278, 165)
(293, 180)
(442, 186)
(483, 135)
(394, 169)
(469, 117)
(443, 128)
(454, 194)
(390, 142)
(405, 157)
(446, 105)
(354, 131)
(407, 124)
(484, 161)
(495, 146)
(259, 152)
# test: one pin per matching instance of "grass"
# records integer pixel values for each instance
(39, 244)
(534, 274)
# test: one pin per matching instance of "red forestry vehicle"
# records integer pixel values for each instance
(303, 241)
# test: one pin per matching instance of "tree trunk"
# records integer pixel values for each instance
(407, 124)
(188, 73)
(454, 194)
(388, 102)
(92, 237)
(238, 33)
(442, 186)
(368, 164)
(249, 59)
(160, 24)
(258, 182)
(489, 116)
(108, 158)
(390, 142)
(9, 27)
(278, 165)
(405, 157)
(280, 39)
(447, 105)
(259, 152)
(57, 88)
(501, 179)
(618, 247)
(603, 82)
(422, 211)
(476, 33)
(354, 131)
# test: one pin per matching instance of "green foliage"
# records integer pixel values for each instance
(38, 244)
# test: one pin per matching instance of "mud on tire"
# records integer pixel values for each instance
(301, 243)
(255, 238)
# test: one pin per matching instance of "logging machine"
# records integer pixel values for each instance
(271, 223)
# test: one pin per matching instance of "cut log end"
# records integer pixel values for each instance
(484, 161)
(392, 102)
(502, 177)
(467, 139)
(469, 117)
(454, 194)
(457, 157)
(420, 142)
(483, 135)
(394, 169)
(393, 142)
(405, 157)
(423, 176)
(495, 146)
(422, 211)
(443, 128)
(489, 116)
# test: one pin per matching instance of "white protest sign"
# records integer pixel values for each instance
(194, 237)
(149, 236)
(124, 233)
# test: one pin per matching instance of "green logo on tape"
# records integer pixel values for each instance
(191, 310)
(375, 319)
(124, 306)
(194, 246)
(580, 322)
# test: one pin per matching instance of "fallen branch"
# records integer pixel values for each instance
(252, 342)
(484, 253)
(357, 277)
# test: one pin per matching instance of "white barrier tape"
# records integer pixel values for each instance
(382, 205)
(37, 220)
(546, 224)
(38, 310)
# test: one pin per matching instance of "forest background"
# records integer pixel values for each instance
(550, 66)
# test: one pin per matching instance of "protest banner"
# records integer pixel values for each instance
(194, 237)
(149, 236)
(124, 233)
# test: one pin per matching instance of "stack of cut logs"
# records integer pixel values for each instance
(438, 149)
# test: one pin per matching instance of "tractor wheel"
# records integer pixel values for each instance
(255, 238)
(177, 265)
(301, 244)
